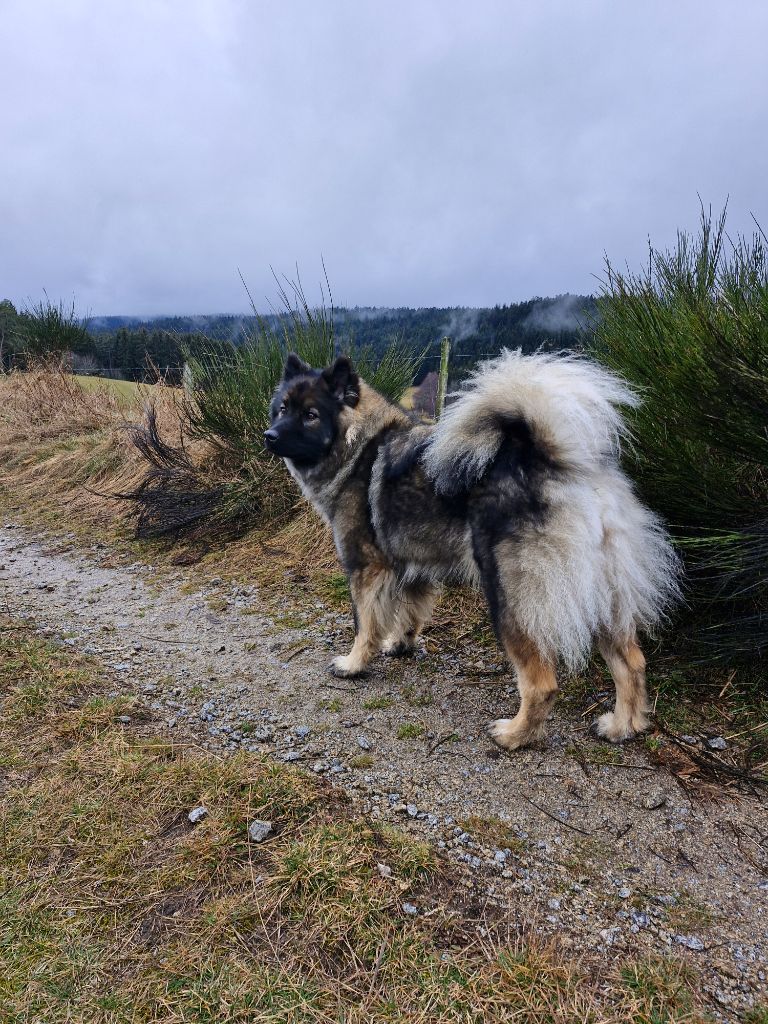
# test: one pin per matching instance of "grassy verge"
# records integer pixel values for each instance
(115, 907)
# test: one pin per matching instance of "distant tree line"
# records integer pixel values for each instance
(132, 348)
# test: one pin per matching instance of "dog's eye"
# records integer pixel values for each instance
(281, 410)
(310, 415)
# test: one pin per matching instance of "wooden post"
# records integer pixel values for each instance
(442, 378)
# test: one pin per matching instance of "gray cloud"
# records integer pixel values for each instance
(434, 153)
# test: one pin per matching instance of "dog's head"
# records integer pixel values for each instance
(306, 407)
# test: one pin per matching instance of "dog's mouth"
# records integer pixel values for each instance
(297, 449)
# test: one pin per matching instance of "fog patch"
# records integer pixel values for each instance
(563, 313)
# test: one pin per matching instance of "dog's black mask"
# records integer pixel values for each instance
(305, 409)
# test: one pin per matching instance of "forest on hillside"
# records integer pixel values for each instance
(132, 348)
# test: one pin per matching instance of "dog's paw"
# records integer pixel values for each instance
(512, 734)
(610, 727)
(398, 649)
(345, 668)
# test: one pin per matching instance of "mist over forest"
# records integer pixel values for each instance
(122, 344)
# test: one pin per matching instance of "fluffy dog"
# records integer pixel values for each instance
(517, 490)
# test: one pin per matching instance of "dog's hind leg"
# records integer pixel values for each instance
(536, 680)
(537, 684)
(413, 610)
(627, 665)
(373, 601)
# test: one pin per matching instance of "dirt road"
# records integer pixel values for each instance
(595, 843)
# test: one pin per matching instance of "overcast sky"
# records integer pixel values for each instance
(434, 153)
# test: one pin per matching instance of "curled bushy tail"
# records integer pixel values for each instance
(570, 405)
(599, 563)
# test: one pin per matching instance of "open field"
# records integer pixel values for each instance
(126, 389)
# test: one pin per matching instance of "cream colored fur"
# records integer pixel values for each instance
(601, 564)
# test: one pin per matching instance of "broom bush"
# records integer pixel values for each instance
(227, 395)
(691, 331)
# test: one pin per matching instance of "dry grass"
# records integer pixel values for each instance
(61, 442)
(114, 908)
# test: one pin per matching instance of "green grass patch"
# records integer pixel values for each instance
(410, 731)
(378, 703)
(417, 698)
(363, 761)
(125, 389)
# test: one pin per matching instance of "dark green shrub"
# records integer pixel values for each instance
(692, 332)
(46, 328)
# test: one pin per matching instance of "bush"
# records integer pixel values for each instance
(49, 329)
(692, 332)
(228, 391)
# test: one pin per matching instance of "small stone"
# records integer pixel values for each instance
(690, 941)
(363, 742)
(384, 870)
(554, 904)
(259, 830)
(123, 719)
(410, 909)
(293, 755)
(197, 814)
(717, 743)
(690, 740)
(263, 734)
(654, 799)
(624, 893)
(412, 810)
(640, 919)
(302, 731)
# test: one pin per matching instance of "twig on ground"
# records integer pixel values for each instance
(295, 652)
(554, 817)
(443, 739)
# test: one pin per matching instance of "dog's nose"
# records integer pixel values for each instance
(270, 435)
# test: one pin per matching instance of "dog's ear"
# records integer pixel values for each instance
(294, 367)
(343, 382)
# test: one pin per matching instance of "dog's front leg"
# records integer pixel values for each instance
(373, 601)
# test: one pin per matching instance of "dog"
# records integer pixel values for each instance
(517, 490)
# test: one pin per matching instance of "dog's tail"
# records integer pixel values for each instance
(569, 404)
(600, 563)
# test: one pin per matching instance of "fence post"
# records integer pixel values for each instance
(442, 377)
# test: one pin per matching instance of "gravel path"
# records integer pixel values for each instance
(610, 856)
